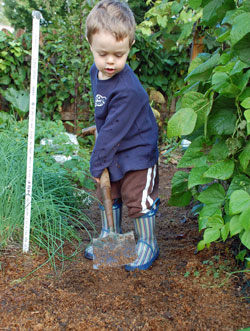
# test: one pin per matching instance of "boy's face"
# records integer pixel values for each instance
(109, 54)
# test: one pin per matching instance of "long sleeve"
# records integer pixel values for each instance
(124, 108)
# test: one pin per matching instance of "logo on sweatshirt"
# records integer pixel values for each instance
(100, 100)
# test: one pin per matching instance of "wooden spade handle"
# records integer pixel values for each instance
(106, 196)
(104, 183)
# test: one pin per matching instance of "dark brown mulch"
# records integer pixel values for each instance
(182, 291)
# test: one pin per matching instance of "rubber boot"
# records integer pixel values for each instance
(146, 248)
(117, 215)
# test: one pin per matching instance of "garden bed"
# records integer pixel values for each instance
(182, 291)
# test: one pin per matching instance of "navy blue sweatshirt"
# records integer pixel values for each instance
(126, 126)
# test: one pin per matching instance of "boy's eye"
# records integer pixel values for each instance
(105, 54)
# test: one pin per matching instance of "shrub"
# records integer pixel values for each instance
(213, 113)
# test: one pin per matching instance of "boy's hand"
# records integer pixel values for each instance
(97, 180)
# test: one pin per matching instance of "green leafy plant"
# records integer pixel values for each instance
(65, 68)
(56, 216)
(149, 61)
(77, 168)
(19, 100)
(14, 74)
(213, 112)
(216, 267)
(19, 12)
(170, 24)
(63, 79)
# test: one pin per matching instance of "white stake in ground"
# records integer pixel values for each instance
(32, 124)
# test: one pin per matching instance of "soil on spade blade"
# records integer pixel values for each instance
(182, 291)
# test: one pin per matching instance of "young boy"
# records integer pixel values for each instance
(127, 131)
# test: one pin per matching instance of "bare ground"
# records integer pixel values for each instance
(182, 291)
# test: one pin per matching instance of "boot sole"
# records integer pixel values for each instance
(144, 266)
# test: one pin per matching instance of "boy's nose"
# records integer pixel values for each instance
(110, 59)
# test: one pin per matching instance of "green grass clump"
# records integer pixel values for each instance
(56, 216)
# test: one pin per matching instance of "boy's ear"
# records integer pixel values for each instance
(89, 43)
(130, 46)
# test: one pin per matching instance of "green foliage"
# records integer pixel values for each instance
(19, 12)
(169, 26)
(153, 64)
(213, 113)
(177, 125)
(77, 168)
(212, 272)
(63, 67)
(13, 63)
(139, 8)
(3, 18)
(19, 100)
(56, 203)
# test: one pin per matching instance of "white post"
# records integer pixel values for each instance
(32, 124)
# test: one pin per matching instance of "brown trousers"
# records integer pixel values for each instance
(137, 189)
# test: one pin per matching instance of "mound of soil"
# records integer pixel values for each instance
(182, 291)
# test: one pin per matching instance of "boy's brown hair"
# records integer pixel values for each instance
(112, 16)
